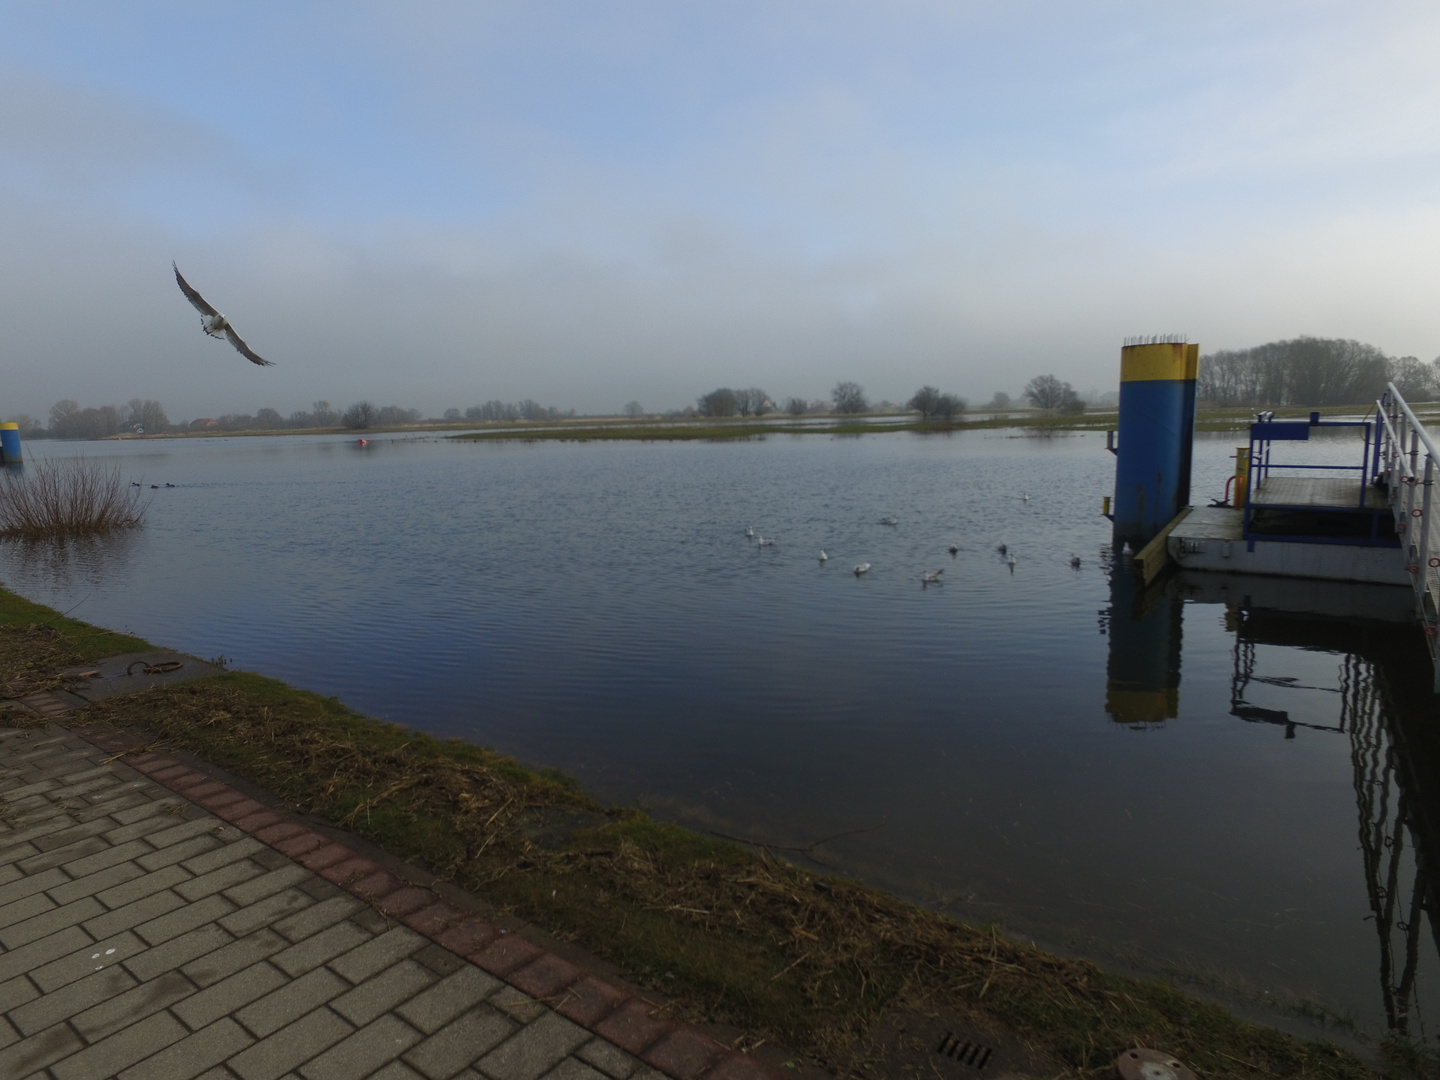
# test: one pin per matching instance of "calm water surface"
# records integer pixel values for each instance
(598, 608)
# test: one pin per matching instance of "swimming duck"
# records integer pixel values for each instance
(862, 568)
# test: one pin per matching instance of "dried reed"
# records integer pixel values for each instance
(67, 497)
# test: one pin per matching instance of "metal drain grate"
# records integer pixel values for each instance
(976, 1055)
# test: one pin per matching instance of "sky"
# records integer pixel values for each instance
(588, 203)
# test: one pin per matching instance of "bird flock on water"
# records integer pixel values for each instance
(1008, 557)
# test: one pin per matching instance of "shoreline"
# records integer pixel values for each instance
(817, 963)
(677, 429)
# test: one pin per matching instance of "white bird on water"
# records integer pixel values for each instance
(932, 578)
(862, 568)
(1010, 561)
(750, 532)
(215, 324)
(764, 542)
(889, 521)
(823, 556)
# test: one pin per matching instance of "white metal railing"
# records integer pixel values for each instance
(1400, 439)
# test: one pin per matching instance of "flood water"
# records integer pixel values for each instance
(1257, 827)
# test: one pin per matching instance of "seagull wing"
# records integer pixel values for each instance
(244, 349)
(193, 296)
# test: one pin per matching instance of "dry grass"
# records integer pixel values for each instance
(67, 497)
(31, 658)
(738, 937)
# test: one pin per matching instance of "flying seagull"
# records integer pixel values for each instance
(215, 324)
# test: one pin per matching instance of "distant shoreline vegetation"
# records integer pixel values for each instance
(1297, 374)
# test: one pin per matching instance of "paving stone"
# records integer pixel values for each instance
(211, 909)
(182, 852)
(383, 992)
(193, 1055)
(197, 827)
(92, 884)
(267, 884)
(229, 995)
(684, 1053)
(88, 959)
(365, 1051)
(179, 951)
(270, 910)
(314, 919)
(43, 925)
(459, 1043)
(123, 1010)
(83, 994)
(608, 1058)
(152, 809)
(574, 1069)
(21, 910)
(144, 827)
(516, 1004)
(217, 880)
(132, 1043)
(278, 1008)
(132, 915)
(222, 856)
(447, 999)
(234, 957)
(289, 1047)
(28, 1056)
(317, 949)
(397, 1070)
(29, 886)
(143, 886)
(377, 954)
(89, 864)
(589, 1000)
(631, 1027)
(40, 952)
(534, 1049)
(16, 992)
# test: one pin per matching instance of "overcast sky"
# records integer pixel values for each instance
(586, 203)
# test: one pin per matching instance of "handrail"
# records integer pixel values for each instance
(1415, 423)
(1394, 438)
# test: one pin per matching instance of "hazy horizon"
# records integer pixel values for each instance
(437, 205)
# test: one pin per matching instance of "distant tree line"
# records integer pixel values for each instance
(515, 410)
(726, 402)
(1311, 371)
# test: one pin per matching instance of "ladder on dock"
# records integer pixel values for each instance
(1406, 464)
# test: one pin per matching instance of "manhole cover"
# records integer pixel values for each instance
(965, 1051)
(1142, 1064)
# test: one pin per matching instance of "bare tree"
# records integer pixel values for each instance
(359, 416)
(634, 408)
(1047, 392)
(925, 401)
(795, 406)
(849, 398)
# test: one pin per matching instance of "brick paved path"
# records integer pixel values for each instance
(143, 937)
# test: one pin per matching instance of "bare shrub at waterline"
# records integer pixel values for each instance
(68, 497)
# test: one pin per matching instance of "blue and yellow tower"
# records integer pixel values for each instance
(1156, 436)
(9, 443)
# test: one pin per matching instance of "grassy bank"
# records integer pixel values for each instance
(735, 935)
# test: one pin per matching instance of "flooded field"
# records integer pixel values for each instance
(1228, 783)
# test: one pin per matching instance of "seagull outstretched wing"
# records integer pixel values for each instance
(194, 297)
(244, 349)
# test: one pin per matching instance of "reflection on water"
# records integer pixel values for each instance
(976, 746)
(1382, 708)
(72, 563)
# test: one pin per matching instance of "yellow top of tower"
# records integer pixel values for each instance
(1171, 361)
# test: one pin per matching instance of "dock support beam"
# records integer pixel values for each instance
(1157, 434)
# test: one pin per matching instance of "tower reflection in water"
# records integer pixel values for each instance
(1386, 711)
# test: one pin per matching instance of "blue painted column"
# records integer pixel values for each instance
(9, 444)
(1156, 437)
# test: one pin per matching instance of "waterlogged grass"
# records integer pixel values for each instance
(735, 935)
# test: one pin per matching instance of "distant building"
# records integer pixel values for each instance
(203, 423)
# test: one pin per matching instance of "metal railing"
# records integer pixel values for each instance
(1405, 459)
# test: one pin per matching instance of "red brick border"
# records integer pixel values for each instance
(678, 1050)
